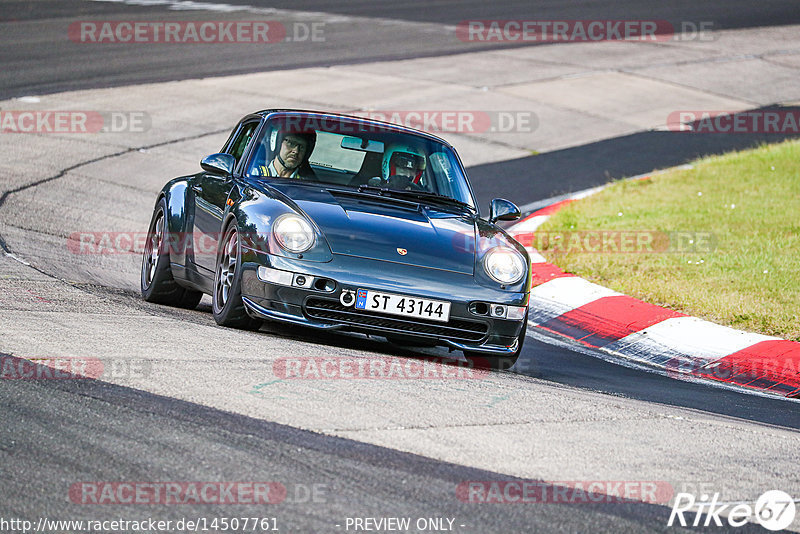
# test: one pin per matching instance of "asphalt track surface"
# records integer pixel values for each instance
(93, 421)
(55, 432)
(37, 56)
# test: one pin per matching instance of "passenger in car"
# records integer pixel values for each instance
(403, 167)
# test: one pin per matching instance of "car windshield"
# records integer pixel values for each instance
(360, 155)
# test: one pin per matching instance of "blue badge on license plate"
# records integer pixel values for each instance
(361, 299)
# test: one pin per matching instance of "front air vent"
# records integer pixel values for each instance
(454, 330)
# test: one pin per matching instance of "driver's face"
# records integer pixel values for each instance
(293, 149)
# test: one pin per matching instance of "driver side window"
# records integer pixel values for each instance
(242, 139)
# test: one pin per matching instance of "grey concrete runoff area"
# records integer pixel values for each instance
(181, 399)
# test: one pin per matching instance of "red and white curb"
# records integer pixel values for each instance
(680, 345)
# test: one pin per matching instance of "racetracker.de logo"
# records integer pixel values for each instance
(196, 243)
(457, 121)
(171, 493)
(619, 242)
(564, 31)
(743, 371)
(177, 32)
(12, 368)
(379, 368)
(775, 121)
(564, 492)
(74, 122)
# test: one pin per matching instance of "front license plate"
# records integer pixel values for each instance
(435, 310)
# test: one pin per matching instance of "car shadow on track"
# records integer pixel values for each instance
(334, 339)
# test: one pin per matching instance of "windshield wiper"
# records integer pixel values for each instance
(419, 195)
(373, 188)
(428, 195)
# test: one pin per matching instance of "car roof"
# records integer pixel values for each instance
(351, 118)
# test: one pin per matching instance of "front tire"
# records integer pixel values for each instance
(157, 284)
(227, 305)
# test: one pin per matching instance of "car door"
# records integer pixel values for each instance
(211, 192)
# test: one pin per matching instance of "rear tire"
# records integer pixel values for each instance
(227, 305)
(157, 284)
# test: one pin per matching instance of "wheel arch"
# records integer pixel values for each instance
(175, 195)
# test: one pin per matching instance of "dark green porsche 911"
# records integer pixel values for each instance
(341, 223)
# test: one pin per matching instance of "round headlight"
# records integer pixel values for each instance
(293, 233)
(504, 265)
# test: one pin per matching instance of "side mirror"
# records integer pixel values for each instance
(501, 209)
(221, 164)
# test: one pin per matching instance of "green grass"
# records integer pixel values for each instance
(748, 202)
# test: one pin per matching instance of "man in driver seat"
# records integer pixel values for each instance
(403, 167)
(291, 156)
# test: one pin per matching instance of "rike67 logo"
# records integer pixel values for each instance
(774, 510)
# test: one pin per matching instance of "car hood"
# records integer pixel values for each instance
(380, 228)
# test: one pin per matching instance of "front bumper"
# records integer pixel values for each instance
(315, 302)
